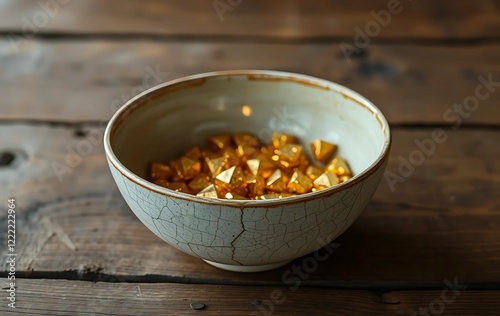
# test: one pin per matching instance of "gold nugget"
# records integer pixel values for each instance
(261, 165)
(279, 140)
(216, 165)
(299, 183)
(160, 171)
(177, 170)
(339, 167)
(190, 167)
(209, 192)
(234, 196)
(269, 196)
(199, 182)
(178, 186)
(221, 141)
(231, 178)
(194, 153)
(322, 150)
(256, 185)
(344, 178)
(325, 181)
(289, 152)
(245, 138)
(277, 182)
(313, 172)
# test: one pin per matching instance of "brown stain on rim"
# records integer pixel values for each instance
(136, 104)
(377, 116)
(286, 79)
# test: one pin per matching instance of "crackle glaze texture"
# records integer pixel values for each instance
(247, 236)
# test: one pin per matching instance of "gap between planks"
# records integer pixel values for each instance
(58, 297)
(382, 286)
(214, 38)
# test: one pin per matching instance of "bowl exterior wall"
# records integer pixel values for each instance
(248, 235)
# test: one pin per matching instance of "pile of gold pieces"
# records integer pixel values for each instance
(239, 167)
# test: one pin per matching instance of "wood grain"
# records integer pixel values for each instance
(86, 81)
(63, 77)
(445, 19)
(441, 223)
(62, 297)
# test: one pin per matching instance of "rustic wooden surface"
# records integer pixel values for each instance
(281, 19)
(61, 85)
(87, 78)
(60, 296)
(82, 226)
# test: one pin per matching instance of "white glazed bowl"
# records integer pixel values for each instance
(246, 236)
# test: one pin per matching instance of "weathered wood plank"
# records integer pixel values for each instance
(281, 18)
(62, 297)
(86, 81)
(441, 223)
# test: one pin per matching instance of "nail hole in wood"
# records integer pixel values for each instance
(360, 53)
(6, 158)
(377, 68)
(79, 133)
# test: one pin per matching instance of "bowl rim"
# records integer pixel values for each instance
(127, 108)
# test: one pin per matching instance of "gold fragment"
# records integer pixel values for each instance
(159, 171)
(277, 182)
(199, 182)
(209, 192)
(289, 152)
(193, 153)
(326, 180)
(322, 150)
(215, 165)
(268, 196)
(246, 138)
(288, 166)
(339, 167)
(244, 151)
(209, 153)
(231, 178)
(253, 165)
(303, 163)
(313, 172)
(190, 167)
(344, 178)
(231, 156)
(177, 170)
(255, 184)
(283, 195)
(261, 165)
(220, 142)
(179, 186)
(279, 140)
(234, 196)
(299, 183)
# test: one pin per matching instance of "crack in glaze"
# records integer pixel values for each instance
(241, 233)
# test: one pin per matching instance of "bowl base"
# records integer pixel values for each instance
(237, 268)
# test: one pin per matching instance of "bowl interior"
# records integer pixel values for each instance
(163, 122)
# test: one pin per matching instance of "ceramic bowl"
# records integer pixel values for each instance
(246, 236)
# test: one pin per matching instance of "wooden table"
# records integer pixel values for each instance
(65, 67)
